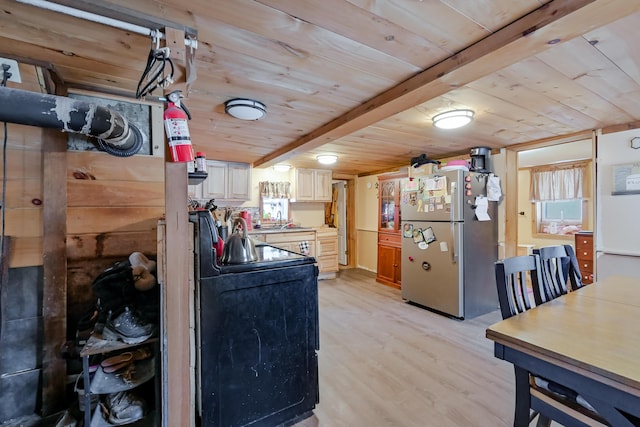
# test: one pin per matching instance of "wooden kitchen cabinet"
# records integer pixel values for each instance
(225, 181)
(312, 185)
(291, 240)
(389, 260)
(389, 236)
(584, 254)
(327, 252)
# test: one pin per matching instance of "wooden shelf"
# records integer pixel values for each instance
(196, 178)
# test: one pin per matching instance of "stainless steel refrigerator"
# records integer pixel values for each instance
(449, 243)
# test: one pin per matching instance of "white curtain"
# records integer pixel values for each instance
(557, 183)
(275, 190)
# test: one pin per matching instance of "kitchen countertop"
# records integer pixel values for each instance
(273, 230)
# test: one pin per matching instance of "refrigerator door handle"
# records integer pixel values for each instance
(454, 249)
(453, 201)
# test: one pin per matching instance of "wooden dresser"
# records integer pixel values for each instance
(584, 254)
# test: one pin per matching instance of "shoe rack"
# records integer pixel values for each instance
(101, 382)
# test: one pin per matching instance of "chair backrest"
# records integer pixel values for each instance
(559, 267)
(575, 276)
(511, 281)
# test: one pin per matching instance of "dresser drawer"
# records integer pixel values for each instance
(586, 266)
(584, 242)
(389, 239)
(584, 253)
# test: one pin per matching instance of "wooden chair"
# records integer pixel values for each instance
(575, 276)
(559, 268)
(513, 297)
(511, 280)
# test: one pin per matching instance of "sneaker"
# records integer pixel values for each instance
(123, 408)
(128, 328)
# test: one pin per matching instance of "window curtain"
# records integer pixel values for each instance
(557, 183)
(275, 190)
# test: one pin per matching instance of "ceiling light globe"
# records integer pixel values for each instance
(281, 168)
(327, 159)
(245, 109)
(453, 119)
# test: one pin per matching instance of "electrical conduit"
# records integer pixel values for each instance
(118, 137)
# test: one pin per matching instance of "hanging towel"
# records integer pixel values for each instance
(304, 247)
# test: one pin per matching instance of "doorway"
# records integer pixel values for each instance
(340, 195)
(533, 216)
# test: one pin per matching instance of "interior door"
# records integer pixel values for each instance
(342, 221)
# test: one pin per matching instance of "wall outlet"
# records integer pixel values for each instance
(14, 70)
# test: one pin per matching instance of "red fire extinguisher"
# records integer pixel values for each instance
(176, 116)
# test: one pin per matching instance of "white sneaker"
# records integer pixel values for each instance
(124, 407)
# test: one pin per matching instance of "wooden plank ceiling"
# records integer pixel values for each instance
(361, 78)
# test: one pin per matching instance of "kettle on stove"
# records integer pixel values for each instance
(239, 248)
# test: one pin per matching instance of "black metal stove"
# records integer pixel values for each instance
(257, 334)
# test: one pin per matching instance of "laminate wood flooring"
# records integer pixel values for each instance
(384, 362)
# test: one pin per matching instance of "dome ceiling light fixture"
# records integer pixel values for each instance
(245, 109)
(453, 119)
(327, 159)
(281, 167)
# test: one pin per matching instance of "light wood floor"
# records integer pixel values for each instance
(383, 362)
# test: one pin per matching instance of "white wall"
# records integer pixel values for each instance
(617, 226)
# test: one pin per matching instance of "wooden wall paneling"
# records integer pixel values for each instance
(106, 219)
(510, 183)
(94, 193)
(21, 163)
(100, 166)
(180, 408)
(54, 301)
(26, 252)
(110, 245)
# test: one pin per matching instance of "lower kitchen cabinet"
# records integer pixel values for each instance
(321, 243)
(291, 241)
(389, 260)
(327, 251)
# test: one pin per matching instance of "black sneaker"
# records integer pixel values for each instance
(128, 328)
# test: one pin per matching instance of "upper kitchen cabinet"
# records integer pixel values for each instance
(225, 181)
(312, 185)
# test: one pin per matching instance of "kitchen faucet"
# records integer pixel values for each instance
(279, 218)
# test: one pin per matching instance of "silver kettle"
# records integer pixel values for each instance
(239, 248)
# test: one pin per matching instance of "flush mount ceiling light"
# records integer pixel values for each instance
(327, 159)
(281, 168)
(245, 109)
(453, 119)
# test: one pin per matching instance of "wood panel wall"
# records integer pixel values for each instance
(113, 207)
(111, 204)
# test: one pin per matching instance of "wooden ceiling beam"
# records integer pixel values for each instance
(552, 23)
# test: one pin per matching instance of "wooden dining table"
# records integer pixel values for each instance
(587, 340)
